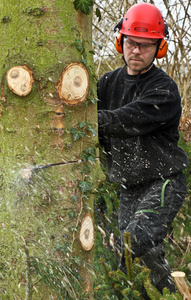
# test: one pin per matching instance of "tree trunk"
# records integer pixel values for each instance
(48, 165)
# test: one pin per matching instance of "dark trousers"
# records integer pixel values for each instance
(146, 211)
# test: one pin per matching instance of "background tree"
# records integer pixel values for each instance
(48, 150)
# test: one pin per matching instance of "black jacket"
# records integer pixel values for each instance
(138, 126)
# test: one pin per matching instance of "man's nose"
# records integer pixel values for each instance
(136, 49)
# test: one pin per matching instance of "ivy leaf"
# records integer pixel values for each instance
(84, 186)
(63, 248)
(96, 44)
(98, 14)
(71, 214)
(90, 150)
(84, 61)
(89, 154)
(91, 158)
(79, 45)
(75, 198)
(77, 134)
(73, 228)
(93, 131)
(86, 169)
(84, 5)
(82, 124)
(94, 100)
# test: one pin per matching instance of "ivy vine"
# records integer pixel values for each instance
(84, 5)
(80, 46)
(80, 132)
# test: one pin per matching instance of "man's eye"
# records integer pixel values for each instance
(131, 43)
(145, 45)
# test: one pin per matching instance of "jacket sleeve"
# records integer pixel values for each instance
(156, 108)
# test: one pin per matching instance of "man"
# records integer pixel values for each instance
(139, 112)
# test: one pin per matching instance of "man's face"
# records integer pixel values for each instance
(138, 56)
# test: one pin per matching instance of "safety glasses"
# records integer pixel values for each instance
(142, 46)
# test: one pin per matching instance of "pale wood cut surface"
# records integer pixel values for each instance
(20, 80)
(73, 84)
(182, 285)
(87, 232)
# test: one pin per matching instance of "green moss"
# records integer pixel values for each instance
(39, 210)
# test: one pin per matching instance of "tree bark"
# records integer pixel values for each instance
(48, 165)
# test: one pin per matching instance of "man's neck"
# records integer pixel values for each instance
(130, 72)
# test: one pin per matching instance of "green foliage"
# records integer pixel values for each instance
(84, 5)
(80, 46)
(84, 186)
(98, 14)
(152, 292)
(117, 283)
(99, 46)
(113, 283)
(128, 256)
(65, 248)
(75, 198)
(177, 244)
(107, 199)
(187, 148)
(89, 154)
(93, 100)
(88, 127)
(120, 285)
(72, 214)
(78, 133)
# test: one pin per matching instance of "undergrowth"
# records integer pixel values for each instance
(109, 282)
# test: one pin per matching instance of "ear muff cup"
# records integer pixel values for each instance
(162, 49)
(119, 43)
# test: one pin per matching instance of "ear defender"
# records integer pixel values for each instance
(162, 49)
(163, 44)
(119, 43)
(118, 38)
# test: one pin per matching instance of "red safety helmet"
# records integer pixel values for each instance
(143, 20)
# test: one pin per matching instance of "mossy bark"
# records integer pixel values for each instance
(41, 209)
